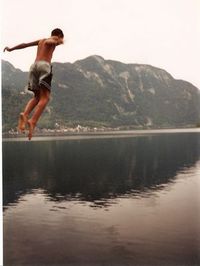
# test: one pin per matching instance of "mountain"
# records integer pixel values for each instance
(99, 92)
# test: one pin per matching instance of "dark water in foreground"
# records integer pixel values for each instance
(120, 201)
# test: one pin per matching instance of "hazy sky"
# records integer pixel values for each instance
(162, 33)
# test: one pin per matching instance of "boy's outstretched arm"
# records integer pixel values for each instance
(21, 46)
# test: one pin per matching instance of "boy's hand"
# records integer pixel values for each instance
(7, 49)
(58, 40)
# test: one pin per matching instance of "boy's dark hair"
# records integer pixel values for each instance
(57, 32)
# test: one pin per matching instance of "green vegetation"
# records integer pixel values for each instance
(198, 124)
(98, 93)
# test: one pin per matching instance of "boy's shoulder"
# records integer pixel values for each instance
(46, 41)
(53, 40)
(42, 40)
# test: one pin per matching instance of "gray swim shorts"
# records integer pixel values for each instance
(40, 73)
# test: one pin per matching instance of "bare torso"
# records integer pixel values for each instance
(45, 50)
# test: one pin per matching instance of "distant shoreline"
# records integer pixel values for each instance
(99, 134)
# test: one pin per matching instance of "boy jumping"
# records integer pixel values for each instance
(40, 76)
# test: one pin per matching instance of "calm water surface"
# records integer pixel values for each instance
(116, 201)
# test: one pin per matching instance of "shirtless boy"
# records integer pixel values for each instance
(40, 75)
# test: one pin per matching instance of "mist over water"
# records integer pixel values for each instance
(116, 201)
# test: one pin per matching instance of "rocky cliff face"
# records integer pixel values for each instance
(95, 91)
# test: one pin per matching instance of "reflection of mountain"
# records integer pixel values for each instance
(95, 169)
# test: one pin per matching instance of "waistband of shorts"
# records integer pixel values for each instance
(42, 61)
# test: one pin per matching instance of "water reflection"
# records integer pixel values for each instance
(95, 170)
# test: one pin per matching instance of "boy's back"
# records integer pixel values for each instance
(46, 48)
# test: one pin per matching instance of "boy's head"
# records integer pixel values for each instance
(57, 32)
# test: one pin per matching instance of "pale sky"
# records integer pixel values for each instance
(162, 33)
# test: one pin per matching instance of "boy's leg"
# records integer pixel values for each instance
(32, 103)
(29, 107)
(43, 100)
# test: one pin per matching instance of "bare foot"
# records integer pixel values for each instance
(31, 128)
(22, 122)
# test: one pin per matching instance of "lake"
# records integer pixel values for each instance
(116, 200)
